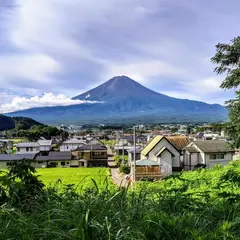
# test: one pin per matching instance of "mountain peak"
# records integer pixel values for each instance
(120, 82)
(115, 88)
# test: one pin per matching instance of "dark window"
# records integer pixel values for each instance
(18, 149)
(67, 162)
(39, 162)
(63, 163)
(27, 149)
(31, 149)
(215, 156)
(220, 156)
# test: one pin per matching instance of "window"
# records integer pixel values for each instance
(39, 162)
(98, 153)
(220, 156)
(67, 162)
(18, 149)
(63, 163)
(27, 149)
(215, 156)
(31, 149)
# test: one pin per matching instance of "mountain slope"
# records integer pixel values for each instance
(8, 123)
(125, 99)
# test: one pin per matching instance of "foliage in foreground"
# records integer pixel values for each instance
(203, 204)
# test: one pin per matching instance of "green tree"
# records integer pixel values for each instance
(227, 59)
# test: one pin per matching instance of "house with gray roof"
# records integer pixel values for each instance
(28, 147)
(71, 144)
(45, 145)
(6, 159)
(207, 153)
(92, 155)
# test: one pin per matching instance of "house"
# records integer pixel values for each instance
(41, 161)
(167, 151)
(207, 153)
(94, 155)
(59, 159)
(131, 154)
(6, 159)
(28, 147)
(94, 141)
(120, 149)
(45, 145)
(71, 144)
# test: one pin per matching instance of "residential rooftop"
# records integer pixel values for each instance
(214, 146)
(27, 144)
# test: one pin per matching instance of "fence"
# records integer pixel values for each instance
(150, 172)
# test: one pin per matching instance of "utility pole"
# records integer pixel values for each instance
(123, 155)
(134, 154)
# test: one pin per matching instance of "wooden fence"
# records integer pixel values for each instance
(151, 172)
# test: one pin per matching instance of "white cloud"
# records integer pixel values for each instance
(31, 67)
(48, 99)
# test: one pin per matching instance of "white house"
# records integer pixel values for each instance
(167, 151)
(28, 147)
(45, 145)
(71, 144)
(207, 153)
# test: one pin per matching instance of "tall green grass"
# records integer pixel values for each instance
(203, 204)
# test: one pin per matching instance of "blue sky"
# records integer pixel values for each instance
(53, 47)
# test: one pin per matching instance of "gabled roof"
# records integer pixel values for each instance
(91, 147)
(27, 144)
(151, 145)
(214, 146)
(176, 142)
(96, 139)
(192, 149)
(74, 141)
(163, 150)
(45, 142)
(146, 162)
(179, 142)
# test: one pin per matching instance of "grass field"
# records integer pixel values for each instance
(82, 178)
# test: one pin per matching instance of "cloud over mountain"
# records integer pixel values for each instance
(47, 100)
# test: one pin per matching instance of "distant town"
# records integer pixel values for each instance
(168, 148)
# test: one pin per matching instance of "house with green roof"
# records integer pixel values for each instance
(207, 153)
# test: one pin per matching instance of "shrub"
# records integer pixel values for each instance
(124, 169)
(119, 160)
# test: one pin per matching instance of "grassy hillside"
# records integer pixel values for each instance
(201, 205)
